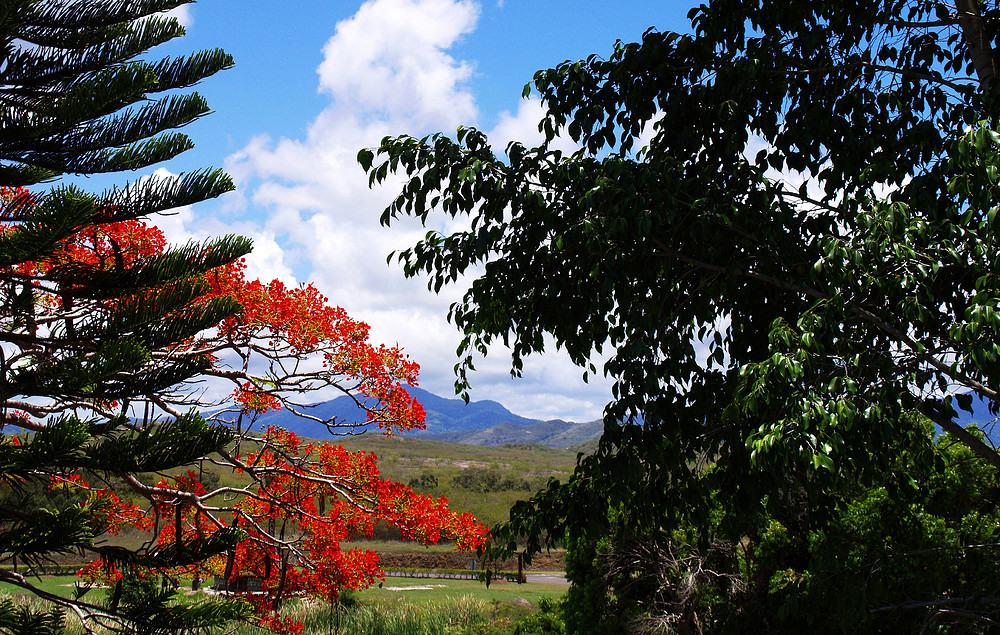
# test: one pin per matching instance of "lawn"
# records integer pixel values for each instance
(57, 584)
(408, 589)
(401, 606)
(421, 590)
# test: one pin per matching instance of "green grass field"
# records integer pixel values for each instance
(62, 585)
(416, 590)
(405, 458)
(422, 590)
(408, 606)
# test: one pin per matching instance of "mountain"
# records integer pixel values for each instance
(476, 423)
(444, 416)
(454, 415)
(554, 434)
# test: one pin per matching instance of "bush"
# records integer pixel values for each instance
(135, 589)
(546, 622)
(589, 607)
(540, 624)
(481, 479)
(425, 481)
(347, 599)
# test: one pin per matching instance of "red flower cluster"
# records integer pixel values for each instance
(306, 500)
(254, 400)
(109, 513)
(310, 500)
(296, 322)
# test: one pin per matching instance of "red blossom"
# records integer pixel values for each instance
(307, 500)
(253, 400)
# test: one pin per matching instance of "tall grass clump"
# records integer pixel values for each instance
(452, 617)
(71, 623)
(463, 615)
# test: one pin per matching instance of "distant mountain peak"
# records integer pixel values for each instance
(485, 422)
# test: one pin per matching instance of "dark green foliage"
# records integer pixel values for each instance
(588, 608)
(68, 100)
(482, 479)
(80, 340)
(147, 603)
(425, 481)
(347, 599)
(896, 556)
(767, 327)
(543, 623)
(16, 619)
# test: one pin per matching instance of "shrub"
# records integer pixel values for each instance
(481, 479)
(425, 481)
(546, 622)
(540, 624)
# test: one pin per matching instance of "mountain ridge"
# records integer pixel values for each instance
(485, 422)
(554, 433)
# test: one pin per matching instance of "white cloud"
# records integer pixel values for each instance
(183, 15)
(389, 59)
(523, 127)
(387, 71)
(180, 225)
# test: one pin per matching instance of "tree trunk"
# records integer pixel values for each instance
(977, 39)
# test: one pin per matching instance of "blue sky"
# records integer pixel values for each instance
(316, 81)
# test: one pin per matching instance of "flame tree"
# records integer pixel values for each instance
(94, 320)
(300, 500)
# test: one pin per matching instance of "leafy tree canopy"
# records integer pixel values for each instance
(784, 224)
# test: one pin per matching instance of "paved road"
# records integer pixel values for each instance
(547, 578)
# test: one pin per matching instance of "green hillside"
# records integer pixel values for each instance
(433, 466)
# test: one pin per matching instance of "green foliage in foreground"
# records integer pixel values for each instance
(783, 223)
(914, 550)
(83, 95)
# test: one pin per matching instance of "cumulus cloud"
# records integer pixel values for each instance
(522, 126)
(389, 60)
(387, 70)
(183, 15)
(180, 225)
